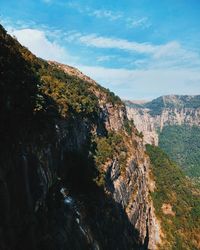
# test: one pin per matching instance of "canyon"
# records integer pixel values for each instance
(74, 170)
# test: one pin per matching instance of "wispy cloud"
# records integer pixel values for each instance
(12, 25)
(111, 15)
(138, 22)
(100, 13)
(106, 14)
(168, 55)
(122, 44)
(105, 58)
(149, 83)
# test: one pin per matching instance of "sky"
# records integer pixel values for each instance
(139, 49)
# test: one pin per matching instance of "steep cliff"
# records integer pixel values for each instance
(73, 171)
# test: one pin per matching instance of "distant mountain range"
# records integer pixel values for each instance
(169, 101)
(173, 123)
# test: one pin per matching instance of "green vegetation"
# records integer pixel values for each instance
(128, 126)
(139, 134)
(71, 95)
(114, 99)
(182, 144)
(182, 227)
(111, 97)
(108, 148)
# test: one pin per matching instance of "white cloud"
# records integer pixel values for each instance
(168, 55)
(146, 83)
(105, 42)
(122, 44)
(37, 42)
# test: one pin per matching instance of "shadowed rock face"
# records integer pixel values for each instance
(151, 117)
(42, 152)
(35, 212)
(132, 191)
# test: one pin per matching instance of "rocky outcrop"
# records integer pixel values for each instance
(151, 117)
(145, 123)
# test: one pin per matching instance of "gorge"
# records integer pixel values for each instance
(74, 170)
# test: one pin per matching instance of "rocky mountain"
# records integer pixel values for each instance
(151, 117)
(74, 171)
(173, 123)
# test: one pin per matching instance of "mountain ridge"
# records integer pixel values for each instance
(151, 117)
(168, 101)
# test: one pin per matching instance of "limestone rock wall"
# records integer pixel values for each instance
(150, 125)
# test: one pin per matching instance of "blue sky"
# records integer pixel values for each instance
(140, 49)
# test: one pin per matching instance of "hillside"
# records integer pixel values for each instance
(74, 172)
(182, 143)
(173, 123)
(71, 172)
(179, 207)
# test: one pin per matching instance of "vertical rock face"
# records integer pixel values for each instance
(145, 123)
(132, 191)
(49, 199)
(151, 117)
